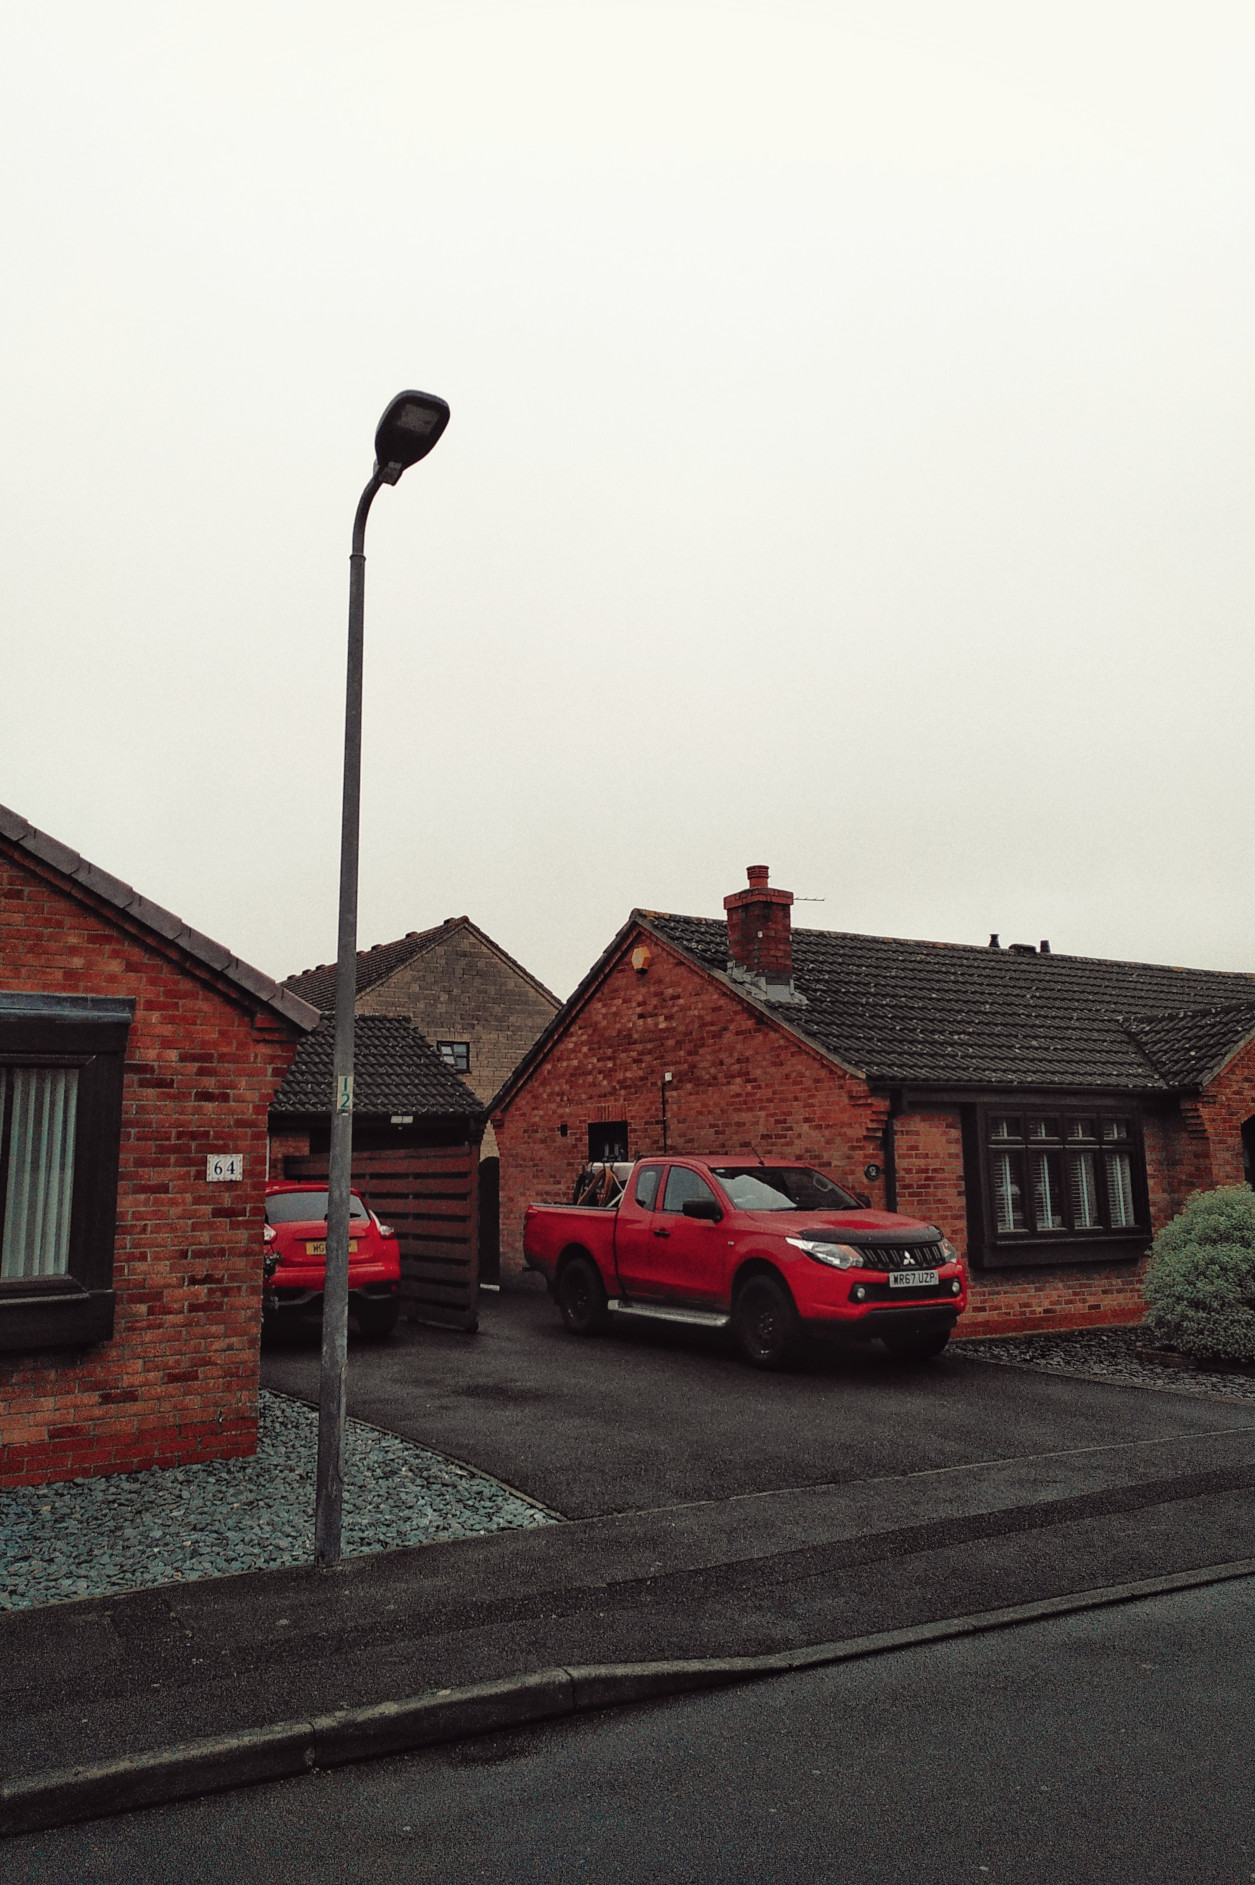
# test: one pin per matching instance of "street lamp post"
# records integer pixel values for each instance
(409, 428)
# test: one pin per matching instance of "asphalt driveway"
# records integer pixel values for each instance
(642, 1418)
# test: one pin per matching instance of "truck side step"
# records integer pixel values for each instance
(660, 1312)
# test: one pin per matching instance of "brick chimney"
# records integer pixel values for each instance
(760, 937)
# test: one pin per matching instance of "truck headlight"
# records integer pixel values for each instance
(837, 1256)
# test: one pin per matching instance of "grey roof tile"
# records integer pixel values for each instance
(947, 1014)
(395, 1070)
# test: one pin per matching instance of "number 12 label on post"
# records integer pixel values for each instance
(224, 1168)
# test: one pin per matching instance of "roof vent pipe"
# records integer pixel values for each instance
(1044, 947)
(993, 940)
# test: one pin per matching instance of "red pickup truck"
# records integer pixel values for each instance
(770, 1249)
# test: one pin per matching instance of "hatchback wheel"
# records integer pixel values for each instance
(765, 1323)
(376, 1320)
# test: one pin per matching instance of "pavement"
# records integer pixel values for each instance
(1109, 1748)
(710, 1512)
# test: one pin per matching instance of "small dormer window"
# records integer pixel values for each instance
(455, 1054)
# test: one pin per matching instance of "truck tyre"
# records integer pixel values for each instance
(582, 1297)
(765, 1323)
(916, 1347)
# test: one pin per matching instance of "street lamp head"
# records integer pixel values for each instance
(409, 428)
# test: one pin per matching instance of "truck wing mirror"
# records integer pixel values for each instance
(704, 1208)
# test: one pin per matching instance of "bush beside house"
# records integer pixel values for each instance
(1200, 1283)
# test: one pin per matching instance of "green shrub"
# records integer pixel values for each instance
(1200, 1282)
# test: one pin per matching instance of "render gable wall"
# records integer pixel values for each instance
(178, 1380)
(460, 990)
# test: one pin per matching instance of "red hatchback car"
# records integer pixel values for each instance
(296, 1259)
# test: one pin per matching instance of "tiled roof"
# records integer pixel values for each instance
(37, 844)
(384, 959)
(394, 1071)
(946, 1014)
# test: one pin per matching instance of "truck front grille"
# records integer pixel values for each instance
(901, 1256)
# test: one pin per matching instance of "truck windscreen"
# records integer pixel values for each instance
(782, 1188)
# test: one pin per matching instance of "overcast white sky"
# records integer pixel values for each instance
(850, 466)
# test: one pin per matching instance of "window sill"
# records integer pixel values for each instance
(61, 1318)
(1060, 1252)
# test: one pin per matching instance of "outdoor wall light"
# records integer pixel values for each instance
(409, 428)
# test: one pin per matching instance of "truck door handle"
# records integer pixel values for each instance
(662, 1233)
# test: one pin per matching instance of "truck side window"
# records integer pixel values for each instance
(683, 1184)
(647, 1186)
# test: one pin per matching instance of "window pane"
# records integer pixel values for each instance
(455, 1054)
(1043, 1128)
(1047, 1192)
(683, 1184)
(1081, 1129)
(1082, 1194)
(39, 1181)
(1120, 1190)
(1008, 1192)
(647, 1186)
(1115, 1129)
(1005, 1129)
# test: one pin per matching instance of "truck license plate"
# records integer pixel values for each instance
(912, 1279)
(319, 1249)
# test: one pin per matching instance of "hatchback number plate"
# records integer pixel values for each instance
(319, 1249)
(912, 1279)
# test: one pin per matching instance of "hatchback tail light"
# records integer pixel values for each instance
(267, 1233)
(385, 1230)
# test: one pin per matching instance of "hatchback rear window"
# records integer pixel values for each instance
(306, 1207)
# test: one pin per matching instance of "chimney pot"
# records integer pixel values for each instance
(993, 940)
(758, 875)
(1044, 947)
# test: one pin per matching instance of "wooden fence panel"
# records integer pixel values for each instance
(429, 1196)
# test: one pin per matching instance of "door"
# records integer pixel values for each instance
(634, 1225)
(676, 1258)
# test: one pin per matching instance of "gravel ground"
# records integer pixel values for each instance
(1105, 1355)
(86, 1537)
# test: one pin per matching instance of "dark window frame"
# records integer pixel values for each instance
(1069, 1244)
(88, 1033)
(603, 1148)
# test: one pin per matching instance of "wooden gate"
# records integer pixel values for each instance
(428, 1195)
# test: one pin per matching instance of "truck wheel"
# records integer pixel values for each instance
(582, 1297)
(916, 1347)
(765, 1323)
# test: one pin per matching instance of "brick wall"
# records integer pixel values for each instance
(461, 990)
(739, 1085)
(178, 1380)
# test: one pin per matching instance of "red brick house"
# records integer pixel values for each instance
(1049, 1112)
(137, 1062)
